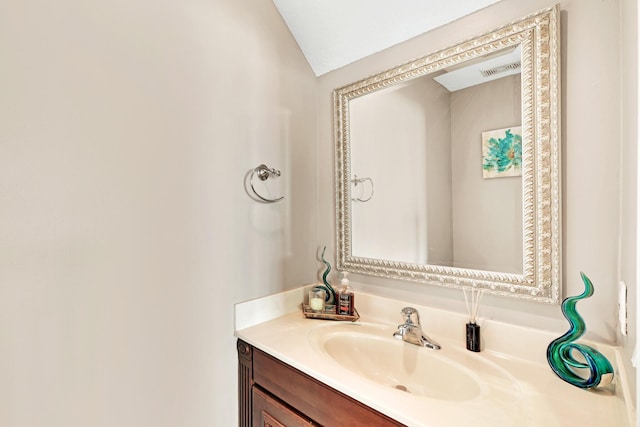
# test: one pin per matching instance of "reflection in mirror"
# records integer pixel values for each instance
(422, 140)
(462, 146)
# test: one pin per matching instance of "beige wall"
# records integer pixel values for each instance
(591, 155)
(126, 237)
(397, 139)
(496, 203)
(629, 171)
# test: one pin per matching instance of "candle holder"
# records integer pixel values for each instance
(316, 300)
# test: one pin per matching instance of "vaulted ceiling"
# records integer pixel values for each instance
(334, 33)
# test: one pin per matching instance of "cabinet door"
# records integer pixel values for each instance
(270, 412)
(310, 397)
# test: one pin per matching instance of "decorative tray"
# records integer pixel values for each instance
(329, 314)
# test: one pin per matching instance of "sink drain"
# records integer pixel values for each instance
(401, 387)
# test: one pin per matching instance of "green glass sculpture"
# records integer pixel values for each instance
(331, 293)
(560, 353)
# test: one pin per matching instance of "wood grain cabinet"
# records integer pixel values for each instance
(274, 394)
(267, 411)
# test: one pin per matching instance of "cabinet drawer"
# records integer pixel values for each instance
(316, 400)
(270, 412)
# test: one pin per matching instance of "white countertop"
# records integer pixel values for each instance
(533, 396)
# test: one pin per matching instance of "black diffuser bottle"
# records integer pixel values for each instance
(473, 329)
(473, 337)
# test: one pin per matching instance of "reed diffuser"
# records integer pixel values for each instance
(473, 329)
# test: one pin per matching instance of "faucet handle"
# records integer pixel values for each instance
(410, 316)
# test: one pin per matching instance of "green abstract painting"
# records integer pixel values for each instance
(502, 152)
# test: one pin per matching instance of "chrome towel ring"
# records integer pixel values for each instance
(263, 173)
(360, 181)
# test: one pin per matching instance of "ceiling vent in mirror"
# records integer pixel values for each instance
(481, 71)
(501, 70)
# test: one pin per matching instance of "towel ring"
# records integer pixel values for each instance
(263, 173)
(356, 181)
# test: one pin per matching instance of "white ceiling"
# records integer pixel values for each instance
(334, 33)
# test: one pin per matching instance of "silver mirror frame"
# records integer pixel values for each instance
(539, 37)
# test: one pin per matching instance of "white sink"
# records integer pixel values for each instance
(370, 350)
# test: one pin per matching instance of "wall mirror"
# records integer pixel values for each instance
(448, 167)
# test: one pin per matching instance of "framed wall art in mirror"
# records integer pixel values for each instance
(463, 148)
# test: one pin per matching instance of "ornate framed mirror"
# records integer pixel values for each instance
(448, 166)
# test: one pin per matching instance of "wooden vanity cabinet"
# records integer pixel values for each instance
(268, 411)
(274, 394)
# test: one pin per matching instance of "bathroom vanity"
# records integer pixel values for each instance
(273, 393)
(295, 371)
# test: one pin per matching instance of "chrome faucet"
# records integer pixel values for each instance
(411, 331)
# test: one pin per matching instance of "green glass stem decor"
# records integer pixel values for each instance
(331, 293)
(561, 351)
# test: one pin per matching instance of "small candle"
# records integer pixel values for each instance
(316, 304)
(316, 299)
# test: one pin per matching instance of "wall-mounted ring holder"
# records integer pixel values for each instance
(360, 181)
(263, 173)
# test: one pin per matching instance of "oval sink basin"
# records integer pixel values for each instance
(374, 354)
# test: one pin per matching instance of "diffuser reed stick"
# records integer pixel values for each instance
(473, 330)
(472, 308)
